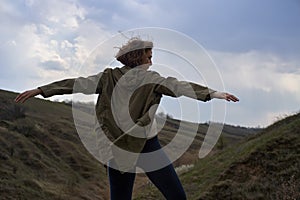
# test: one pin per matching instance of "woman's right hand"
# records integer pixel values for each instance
(27, 94)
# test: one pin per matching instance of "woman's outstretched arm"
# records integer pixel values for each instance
(172, 87)
(85, 85)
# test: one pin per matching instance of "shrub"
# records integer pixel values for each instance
(12, 112)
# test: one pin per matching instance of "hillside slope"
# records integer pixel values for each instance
(41, 155)
(269, 171)
(264, 166)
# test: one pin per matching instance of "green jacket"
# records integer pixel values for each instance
(127, 101)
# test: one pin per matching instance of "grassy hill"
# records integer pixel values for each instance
(262, 166)
(42, 157)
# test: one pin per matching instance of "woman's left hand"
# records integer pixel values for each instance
(224, 95)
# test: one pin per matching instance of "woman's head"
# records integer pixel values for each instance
(135, 52)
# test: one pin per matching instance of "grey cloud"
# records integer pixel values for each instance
(52, 65)
(258, 107)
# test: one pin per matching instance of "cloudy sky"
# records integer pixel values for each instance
(255, 45)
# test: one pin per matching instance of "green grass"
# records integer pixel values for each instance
(42, 156)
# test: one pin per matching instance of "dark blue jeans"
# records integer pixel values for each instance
(165, 179)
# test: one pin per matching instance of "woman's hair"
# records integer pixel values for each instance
(132, 52)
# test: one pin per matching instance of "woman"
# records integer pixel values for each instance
(128, 99)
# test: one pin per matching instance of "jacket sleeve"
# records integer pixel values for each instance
(172, 87)
(85, 85)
